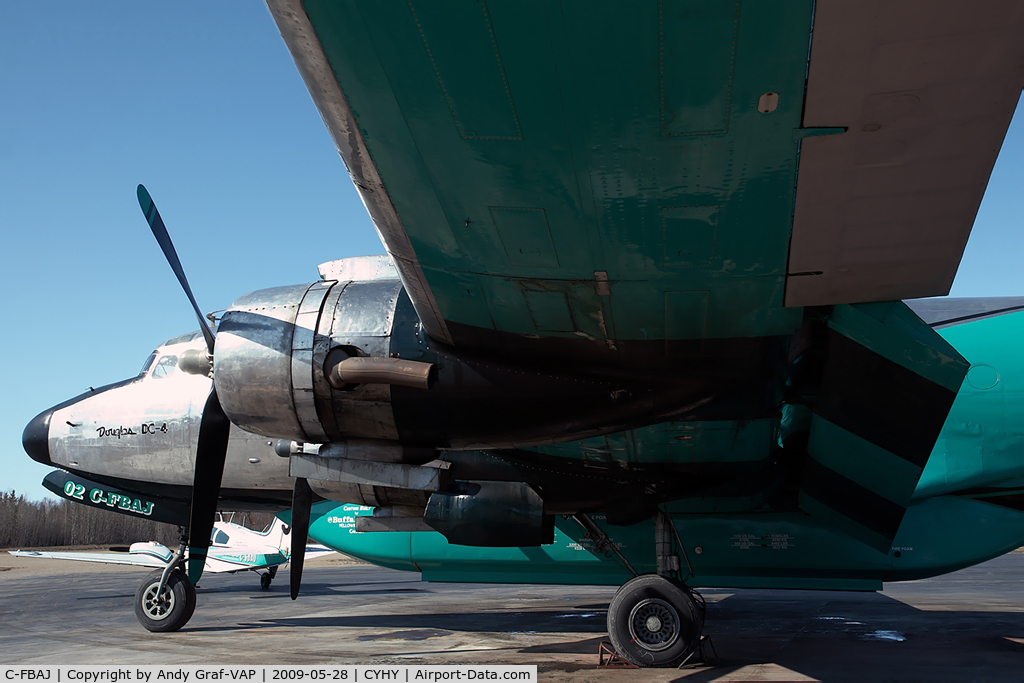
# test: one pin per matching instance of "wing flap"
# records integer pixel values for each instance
(926, 91)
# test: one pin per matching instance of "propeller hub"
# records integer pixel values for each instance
(196, 362)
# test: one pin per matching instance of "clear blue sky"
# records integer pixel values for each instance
(200, 102)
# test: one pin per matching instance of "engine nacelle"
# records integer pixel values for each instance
(506, 514)
(271, 348)
(347, 358)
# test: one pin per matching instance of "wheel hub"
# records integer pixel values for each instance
(654, 624)
(158, 607)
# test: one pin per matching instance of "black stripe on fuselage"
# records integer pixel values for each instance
(239, 500)
(853, 501)
(905, 418)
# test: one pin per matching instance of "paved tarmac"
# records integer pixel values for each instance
(966, 626)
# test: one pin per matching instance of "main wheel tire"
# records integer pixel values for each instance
(653, 621)
(265, 582)
(172, 608)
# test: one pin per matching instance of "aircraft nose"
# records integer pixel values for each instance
(36, 437)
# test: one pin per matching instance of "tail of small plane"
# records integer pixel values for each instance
(276, 536)
(279, 534)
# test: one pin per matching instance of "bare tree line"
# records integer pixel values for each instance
(48, 523)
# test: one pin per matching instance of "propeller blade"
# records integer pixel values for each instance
(156, 224)
(302, 500)
(210, 454)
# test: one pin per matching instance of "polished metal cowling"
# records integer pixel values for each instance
(271, 349)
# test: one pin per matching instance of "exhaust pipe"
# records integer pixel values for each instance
(343, 370)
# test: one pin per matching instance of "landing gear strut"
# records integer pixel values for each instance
(267, 576)
(655, 619)
(166, 599)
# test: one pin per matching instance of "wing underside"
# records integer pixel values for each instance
(578, 170)
(684, 173)
(104, 558)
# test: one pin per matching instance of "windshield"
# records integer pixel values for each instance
(165, 366)
(148, 364)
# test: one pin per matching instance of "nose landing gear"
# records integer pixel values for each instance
(166, 599)
(166, 609)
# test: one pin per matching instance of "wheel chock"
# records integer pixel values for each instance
(701, 658)
(608, 658)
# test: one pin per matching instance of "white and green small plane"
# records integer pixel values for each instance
(233, 548)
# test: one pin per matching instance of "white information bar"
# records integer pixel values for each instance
(227, 673)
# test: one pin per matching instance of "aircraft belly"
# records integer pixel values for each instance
(946, 533)
(269, 471)
(151, 504)
(771, 550)
(333, 525)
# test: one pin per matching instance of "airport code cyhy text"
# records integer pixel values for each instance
(266, 674)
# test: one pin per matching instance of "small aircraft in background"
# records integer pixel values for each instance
(233, 548)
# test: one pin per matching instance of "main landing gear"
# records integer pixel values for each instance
(266, 577)
(654, 619)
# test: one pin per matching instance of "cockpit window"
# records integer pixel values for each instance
(165, 366)
(148, 364)
(220, 538)
(181, 339)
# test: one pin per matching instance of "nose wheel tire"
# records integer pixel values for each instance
(653, 621)
(170, 609)
(265, 580)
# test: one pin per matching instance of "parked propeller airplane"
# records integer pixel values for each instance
(233, 548)
(642, 264)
